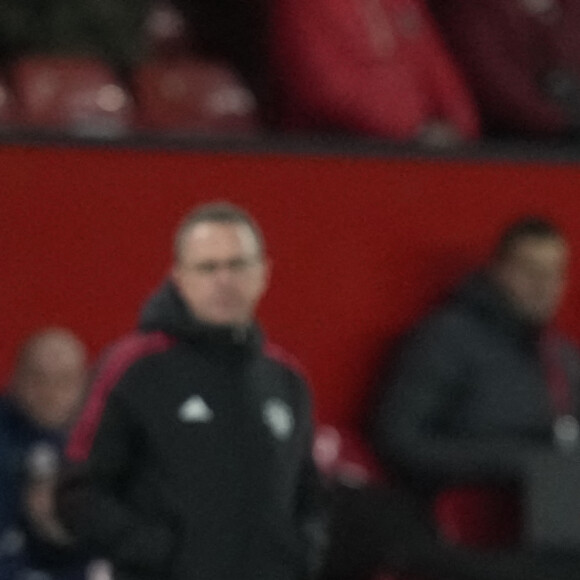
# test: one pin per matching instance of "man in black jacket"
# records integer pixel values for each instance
(192, 458)
(485, 382)
(485, 390)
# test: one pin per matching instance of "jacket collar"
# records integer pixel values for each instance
(166, 311)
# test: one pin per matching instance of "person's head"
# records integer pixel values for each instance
(530, 266)
(49, 379)
(220, 268)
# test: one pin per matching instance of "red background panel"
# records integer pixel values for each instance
(360, 246)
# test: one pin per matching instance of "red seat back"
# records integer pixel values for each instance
(81, 95)
(192, 95)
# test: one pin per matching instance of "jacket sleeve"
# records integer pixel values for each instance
(90, 498)
(431, 377)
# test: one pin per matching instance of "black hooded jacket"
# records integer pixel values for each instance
(192, 458)
(468, 400)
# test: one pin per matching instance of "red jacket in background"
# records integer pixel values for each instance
(508, 52)
(376, 67)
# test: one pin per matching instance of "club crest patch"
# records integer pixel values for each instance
(278, 417)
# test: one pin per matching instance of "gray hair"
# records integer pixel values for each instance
(219, 213)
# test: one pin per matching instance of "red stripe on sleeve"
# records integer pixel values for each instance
(123, 355)
(277, 353)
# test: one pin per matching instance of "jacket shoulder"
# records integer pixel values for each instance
(447, 321)
(116, 361)
(129, 350)
(284, 359)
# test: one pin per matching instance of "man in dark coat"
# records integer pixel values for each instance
(472, 398)
(192, 458)
(486, 390)
(43, 396)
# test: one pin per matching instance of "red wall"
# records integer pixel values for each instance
(360, 246)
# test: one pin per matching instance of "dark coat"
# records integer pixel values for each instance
(193, 455)
(468, 399)
(20, 548)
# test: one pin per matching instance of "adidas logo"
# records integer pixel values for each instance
(195, 410)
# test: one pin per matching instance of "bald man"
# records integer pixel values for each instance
(41, 401)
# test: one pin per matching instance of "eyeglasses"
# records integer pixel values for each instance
(235, 266)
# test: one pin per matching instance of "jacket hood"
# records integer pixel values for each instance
(482, 296)
(166, 311)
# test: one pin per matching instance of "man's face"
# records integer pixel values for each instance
(220, 273)
(533, 276)
(50, 388)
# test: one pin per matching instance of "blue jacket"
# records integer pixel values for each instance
(19, 549)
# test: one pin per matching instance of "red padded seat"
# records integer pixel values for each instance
(187, 95)
(80, 95)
